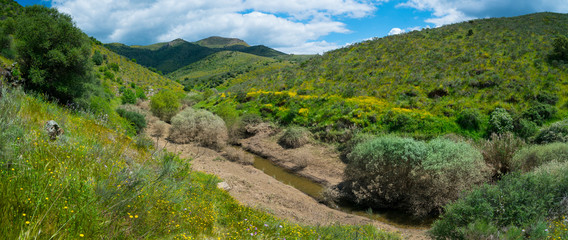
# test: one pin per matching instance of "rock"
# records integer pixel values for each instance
(223, 185)
(53, 129)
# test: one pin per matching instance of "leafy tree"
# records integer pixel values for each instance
(54, 53)
(164, 105)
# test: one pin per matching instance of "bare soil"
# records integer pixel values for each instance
(254, 188)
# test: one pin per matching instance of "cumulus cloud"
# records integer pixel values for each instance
(291, 25)
(395, 31)
(451, 11)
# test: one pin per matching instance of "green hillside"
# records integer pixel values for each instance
(217, 68)
(171, 56)
(421, 82)
(221, 42)
(117, 71)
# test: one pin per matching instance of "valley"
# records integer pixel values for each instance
(453, 132)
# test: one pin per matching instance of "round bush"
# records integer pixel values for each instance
(198, 125)
(556, 132)
(138, 120)
(294, 137)
(534, 156)
(415, 176)
(500, 122)
(470, 119)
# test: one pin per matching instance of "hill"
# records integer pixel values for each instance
(171, 56)
(421, 82)
(221, 42)
(217, 68)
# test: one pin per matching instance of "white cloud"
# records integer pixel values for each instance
(395, 31)
(451, 11)
(295, 25)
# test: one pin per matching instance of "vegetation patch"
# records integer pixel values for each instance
(198, 125)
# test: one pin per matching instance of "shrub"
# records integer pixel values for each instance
(500, 122)
(138, 120)
(560, 51)
(470, 119)
(97, 58)
(518, 201)
(525, 128)
(141, 94)
(346, 148)
(128, 97)
(295, 137)
(532, 157)
(498, 151)
(237, 155)
(418, 177)
(164, 105)
(556, 132)
(198, 125)
(539, 113)
(192, 98)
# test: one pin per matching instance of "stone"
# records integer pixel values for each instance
(53, 129)
(223, 185)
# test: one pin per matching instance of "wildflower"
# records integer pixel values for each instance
(27, 222)
(81, 235)
(23, 214)
(135, 216)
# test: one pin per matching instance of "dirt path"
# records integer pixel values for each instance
(254, 188)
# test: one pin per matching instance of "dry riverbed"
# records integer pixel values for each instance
(254, 188)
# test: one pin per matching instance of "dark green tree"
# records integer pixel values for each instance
(53, 52)
(560, 51)
(97, 58)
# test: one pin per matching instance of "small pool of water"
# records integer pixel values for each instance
(315, 190)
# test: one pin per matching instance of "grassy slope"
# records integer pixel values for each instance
(218, 67)
(427, 77)
(130, 72)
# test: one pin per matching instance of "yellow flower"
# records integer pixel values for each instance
(24, 214)
(81, 235)
(135, 216)
(27, 222)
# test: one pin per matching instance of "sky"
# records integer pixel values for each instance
(291, 26)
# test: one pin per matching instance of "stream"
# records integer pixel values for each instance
(314, 190)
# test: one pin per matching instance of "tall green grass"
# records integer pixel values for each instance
(93, 182)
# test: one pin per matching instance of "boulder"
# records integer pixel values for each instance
(53, 129)
(223, 185)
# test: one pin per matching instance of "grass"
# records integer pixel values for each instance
(93, 182)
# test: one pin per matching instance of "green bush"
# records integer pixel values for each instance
(128, 97)
(470, 119)
(534, 156)
(525, 128)
(539, 113)
(198, 125)
(138, 120)
(414, 176)
(295, 137)
(192, 98)
(560, 51)
(164, 105)
(54, 53)
(141, 94)
(556, 132)
(518, 201)
(498, 151)
(500, 122)
(97, 58)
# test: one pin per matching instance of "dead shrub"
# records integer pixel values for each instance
(201, 126)
(498, 151)
(237, 155)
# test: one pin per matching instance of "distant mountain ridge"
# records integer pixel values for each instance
(170, 56)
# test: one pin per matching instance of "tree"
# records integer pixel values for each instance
(164, 105)
(53, 52)
(560, 51)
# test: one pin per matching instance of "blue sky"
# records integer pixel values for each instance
(291, 26)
